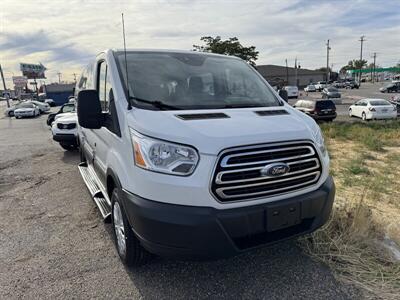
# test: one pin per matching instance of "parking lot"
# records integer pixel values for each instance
(349, 96)
(55, 244)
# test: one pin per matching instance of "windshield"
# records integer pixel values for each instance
(68, 108)
(193, 81)
(325, 104)
(379, 102)
(26, 105)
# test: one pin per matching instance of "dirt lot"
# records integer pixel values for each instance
(55, 245)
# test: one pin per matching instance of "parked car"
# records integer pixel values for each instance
(330, 92)
(352, 84)
(390, 88)
(339, 84)
(9, 112)
(396, 102)
(292, 91)
(67, 107)
(43, 107)
(50, 102)
(317, 109)
(368, 109)
(310, 88)
(320, 85)
(26, 109)
(65, 131)
(175, 169)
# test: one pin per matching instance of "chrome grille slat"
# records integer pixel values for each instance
(221, 193)
(219, 180)
(237, 175)
(226, 159)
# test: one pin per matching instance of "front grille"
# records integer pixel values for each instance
(66, 126)
(238, 173)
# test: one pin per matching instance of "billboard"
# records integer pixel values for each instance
(20, 81)
(32, 71)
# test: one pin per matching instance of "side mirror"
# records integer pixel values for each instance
(89, 110)
(283, 94)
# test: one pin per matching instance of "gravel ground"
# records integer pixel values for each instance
(55, 245)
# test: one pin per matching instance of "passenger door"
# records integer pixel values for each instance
(109, 135)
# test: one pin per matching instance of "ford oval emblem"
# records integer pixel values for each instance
(275, 170)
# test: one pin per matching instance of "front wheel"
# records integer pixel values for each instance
(363, 116)
(128, 246)
(10, 114)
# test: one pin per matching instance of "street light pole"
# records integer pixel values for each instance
(362, 40)
(327, 61)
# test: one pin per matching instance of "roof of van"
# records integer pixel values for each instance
(171, 51)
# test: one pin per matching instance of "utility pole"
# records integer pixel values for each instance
(287, 73)
(295, 71)
(59, 77)
(4, 85)
(74, 76)
(362, 40)
(373, 74)
(327, 61)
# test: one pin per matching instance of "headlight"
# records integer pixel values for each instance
(163, 157)
(319, 140)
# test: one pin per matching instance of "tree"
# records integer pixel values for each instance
(354, 64)
(232, 46)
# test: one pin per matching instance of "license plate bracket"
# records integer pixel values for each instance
(283, 216)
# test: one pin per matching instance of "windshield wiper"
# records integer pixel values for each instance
(156, 103)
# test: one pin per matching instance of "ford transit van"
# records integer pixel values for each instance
(194, 156)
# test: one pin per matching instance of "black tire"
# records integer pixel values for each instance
(68, 147)
(11, 114)
(134, 254)
(364, 116)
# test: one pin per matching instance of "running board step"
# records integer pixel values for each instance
(95, 191)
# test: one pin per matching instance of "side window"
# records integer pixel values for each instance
(89, 80)
(101, 85)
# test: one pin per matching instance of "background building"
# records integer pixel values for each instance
(280, 75)
(59, 92)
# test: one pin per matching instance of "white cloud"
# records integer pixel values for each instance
(72, 31)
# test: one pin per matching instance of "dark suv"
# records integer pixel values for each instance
(317, 109)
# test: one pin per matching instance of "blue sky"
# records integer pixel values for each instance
(64, 35)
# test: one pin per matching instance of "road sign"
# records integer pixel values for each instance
(20, 81)
(33, 71)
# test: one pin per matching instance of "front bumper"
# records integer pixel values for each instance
(192, 232)
(66, 138)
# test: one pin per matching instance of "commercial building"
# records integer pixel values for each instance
(59, 92)
(280, 75)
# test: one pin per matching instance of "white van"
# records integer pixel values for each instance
(292, 91)
(194, 155)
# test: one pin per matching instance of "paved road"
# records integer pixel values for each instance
(55, 245)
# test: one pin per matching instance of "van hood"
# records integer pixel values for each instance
(209, 136)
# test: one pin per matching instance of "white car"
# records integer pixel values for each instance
(310, 88)
(292, 91)
(43, 107)
(369, 109)
(320, 85)
(186, 164)
(26, 109)
(64, 130)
